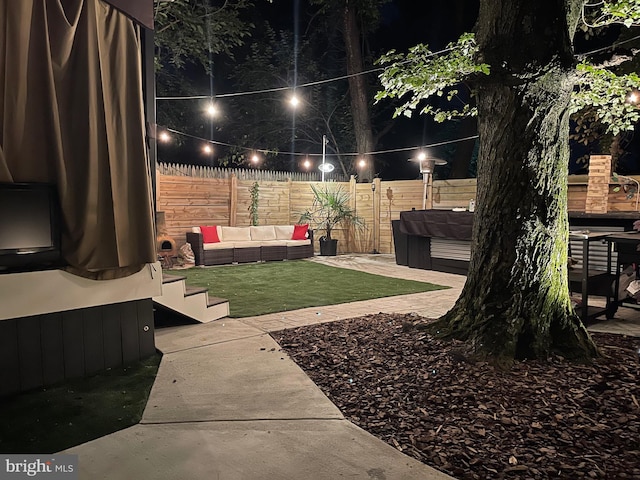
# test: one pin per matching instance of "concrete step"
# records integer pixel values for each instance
(193, 302)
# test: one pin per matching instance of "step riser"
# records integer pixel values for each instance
(192, 306)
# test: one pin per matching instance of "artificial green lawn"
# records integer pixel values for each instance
(51, 419)
(260, 288)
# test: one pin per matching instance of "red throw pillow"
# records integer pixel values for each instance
(300, 232)
(209, 234)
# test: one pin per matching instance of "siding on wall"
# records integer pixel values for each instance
(44, 349)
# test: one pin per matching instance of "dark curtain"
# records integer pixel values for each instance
(71, 113)
(140, 10)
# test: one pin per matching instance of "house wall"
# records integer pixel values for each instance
(58, 325)
(45, 349)
(47, 291)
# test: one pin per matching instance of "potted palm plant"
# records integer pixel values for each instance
(330, 208)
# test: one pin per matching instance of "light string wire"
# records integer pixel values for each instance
(344, 77)
(300, 154)
(609, 47)
(302, 85)
(329, 80)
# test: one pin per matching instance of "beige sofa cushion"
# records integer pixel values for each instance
(216, 246)
(235, 234)
(273, 243)
(283, 232)
(296, 243)
(243, 244)
(262, 233)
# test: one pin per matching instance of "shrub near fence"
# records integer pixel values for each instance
(207, 196)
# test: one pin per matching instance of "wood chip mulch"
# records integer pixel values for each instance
(429, 399)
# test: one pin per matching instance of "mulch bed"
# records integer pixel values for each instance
(430, 400)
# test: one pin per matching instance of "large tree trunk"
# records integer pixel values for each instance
(515, 303)
(358, 91)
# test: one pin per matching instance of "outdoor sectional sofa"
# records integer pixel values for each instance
(219, 245)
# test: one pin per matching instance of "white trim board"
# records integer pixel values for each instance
(48, 291)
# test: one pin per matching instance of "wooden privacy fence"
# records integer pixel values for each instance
(184, 201)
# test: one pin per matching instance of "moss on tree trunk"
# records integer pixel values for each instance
(515, 303)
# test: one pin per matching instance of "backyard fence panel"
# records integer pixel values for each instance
(212, 197)
(273, 202)
(396, 196)
(361, 240)
(624, 200)
(577, 198)
(192, 201)
(301, 198)
(448, 194)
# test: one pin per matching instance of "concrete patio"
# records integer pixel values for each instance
(228, 404)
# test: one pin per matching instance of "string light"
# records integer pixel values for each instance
(164, 137)
(212, 111)
(266, 151)
(306, 164)
(362, 163)
(294, 101)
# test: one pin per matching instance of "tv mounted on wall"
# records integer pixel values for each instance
(29, 227)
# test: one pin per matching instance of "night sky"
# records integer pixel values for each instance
(405, 23)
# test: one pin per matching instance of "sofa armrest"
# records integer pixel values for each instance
(195, 240)
(310, 232)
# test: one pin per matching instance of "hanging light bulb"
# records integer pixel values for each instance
(164, 137)
(207, 149)
(294, 101)
(212, 111)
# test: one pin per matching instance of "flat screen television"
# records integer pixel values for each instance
(29, 227)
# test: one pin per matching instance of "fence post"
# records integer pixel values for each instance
(157, 187)
(377, 199)
(352, 192)
(351, 234)
(233, 203)
(289, 185)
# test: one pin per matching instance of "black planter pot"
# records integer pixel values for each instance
(328, 247)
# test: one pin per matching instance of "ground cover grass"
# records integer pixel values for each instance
(51, 419)
(261, 288)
